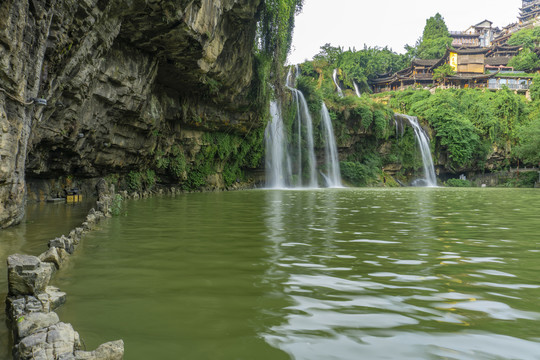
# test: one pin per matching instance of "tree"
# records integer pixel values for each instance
(528, 149)
(535, 89)
(528, 38)
(526, 60)
(442, 72)
(276, 25)
(360, 66)
(330, 54)
(435, 38)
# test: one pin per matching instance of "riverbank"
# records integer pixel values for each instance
(37, 331)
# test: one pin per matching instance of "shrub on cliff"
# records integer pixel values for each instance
(361, 173)
(458, 183)
(528, 148)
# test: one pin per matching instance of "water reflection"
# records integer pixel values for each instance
(334, 274)
(427, 302)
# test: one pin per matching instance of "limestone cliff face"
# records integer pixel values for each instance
(123, 79)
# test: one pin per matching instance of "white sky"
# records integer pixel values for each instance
(392, 23)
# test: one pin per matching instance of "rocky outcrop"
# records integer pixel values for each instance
(126, 83)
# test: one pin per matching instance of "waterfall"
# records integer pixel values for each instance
(334, 76)
(430, 178)
(305, 122)
(291, 78)
(333, 175)
(286, 162)
(278, 172)
(356, 89)
(290, 158)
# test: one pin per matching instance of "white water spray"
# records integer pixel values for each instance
(334, 76)
(294, 165)
(333, 175)
(277, 159)
(356, 89)
(430, 178)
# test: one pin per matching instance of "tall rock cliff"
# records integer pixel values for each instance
(128, 83)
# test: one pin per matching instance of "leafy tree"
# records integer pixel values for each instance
(363, 65)
(529, 38)
(442, 72)
(535, 89)
(455, 133)
(435, 38)
(528, 149)
(526, 60)
(330, 54)
(273, 42)
(276, 26)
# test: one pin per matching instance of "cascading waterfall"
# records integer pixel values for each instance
(278, 162)
(333, 176)
(356, 89)
(304, 119)
(430, 179)
(334, 76)
(290, 160)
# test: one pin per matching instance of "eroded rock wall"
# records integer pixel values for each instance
(123, 80)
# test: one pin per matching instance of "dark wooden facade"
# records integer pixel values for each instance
(474, 67)
(529, 11)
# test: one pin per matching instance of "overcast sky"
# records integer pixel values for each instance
(392, 23)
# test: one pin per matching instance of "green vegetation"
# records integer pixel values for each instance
(276, 27)
(522, 180)
(529, 38)
(527, 179)
(358, 174)
(528, 148)
(442, 72)
(458, 183)
(466, 122)
(141, 181)
(355, 66)
(526, 60)
(116, 205)
(274, 38)
(229, 152)
(435, 39)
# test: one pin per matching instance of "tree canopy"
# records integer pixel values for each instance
(276, 26)
(526, 60)
(528, 38)
(435, 38)
(359, 66)
(528, 148)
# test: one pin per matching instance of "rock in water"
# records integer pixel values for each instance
(27, 275)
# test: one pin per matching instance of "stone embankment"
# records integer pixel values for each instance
(37, 331)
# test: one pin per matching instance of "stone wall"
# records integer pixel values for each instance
(37, 331)
(123, 80)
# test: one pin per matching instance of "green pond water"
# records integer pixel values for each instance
(329, 274)
(42, 222)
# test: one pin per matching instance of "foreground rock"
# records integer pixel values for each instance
(27, 275)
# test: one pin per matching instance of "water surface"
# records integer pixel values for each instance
(330, 274)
